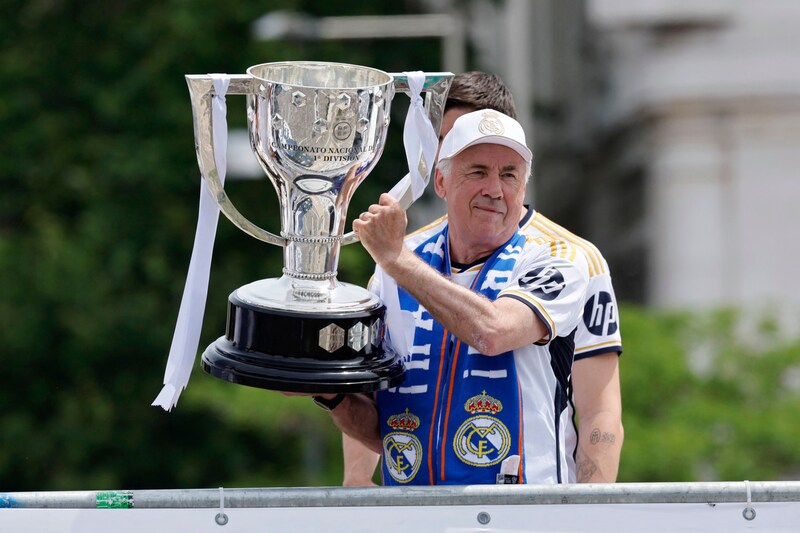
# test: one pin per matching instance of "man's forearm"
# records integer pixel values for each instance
(357, 417)
(599, 447)
(359, 463)
(599, 405)
(489, 327)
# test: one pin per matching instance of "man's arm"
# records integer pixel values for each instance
(357, 417)
(491, 327)
(359, 463)
(598, 401)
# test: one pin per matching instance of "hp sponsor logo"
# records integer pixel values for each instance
(600, 315)
(543, 282)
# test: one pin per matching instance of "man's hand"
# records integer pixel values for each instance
(381, 230)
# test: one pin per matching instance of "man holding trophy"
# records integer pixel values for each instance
(481, 317)
(594, 379)
(494, 318)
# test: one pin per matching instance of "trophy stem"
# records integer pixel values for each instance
(311, 265)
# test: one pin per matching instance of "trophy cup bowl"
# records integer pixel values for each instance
(317, 130)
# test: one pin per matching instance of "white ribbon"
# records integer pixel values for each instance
(186, 338)
(421, 144)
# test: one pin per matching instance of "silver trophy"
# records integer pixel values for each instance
(317, 129)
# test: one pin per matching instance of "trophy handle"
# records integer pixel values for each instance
(201, 89)
(437, 84)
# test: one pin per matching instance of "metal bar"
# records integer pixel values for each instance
(385, 27)
(721, 492)
(449, 27)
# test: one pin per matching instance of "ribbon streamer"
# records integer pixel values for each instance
(421, 144)
(186, 338)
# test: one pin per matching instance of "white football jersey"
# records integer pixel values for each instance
(597, 331)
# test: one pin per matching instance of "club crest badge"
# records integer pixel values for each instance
(482, 440)
(402, 451)
(490, 124)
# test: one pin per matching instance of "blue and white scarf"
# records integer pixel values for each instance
(458, 414)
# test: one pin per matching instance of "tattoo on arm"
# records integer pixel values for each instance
(597, 436)
(586, 469)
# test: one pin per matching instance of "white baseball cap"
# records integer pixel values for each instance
(484, 127)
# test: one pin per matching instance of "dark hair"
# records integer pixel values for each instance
(479, 90)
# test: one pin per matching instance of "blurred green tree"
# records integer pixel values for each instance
(702, 404)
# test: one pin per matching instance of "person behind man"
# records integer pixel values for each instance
(495, 313)
(594, 381)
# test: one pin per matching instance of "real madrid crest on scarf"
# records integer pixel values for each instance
(402, 451)
(482, 439)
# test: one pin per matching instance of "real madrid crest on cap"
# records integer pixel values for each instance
(490, 124)
(484, 126)
(402, 451)
(482, 440)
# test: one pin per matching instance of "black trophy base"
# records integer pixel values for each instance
(283, 350)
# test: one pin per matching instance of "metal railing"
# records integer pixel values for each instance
(731, 507)
(619, 493)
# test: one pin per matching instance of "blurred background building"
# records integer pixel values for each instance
(696, 129)
(665, 131)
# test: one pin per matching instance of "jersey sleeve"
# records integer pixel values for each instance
(598, 330)
(551, 279)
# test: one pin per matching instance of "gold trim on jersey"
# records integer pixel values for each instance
(582, 349)
(553, 230)
(558, 247)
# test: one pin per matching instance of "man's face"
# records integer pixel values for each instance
(484, 193)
